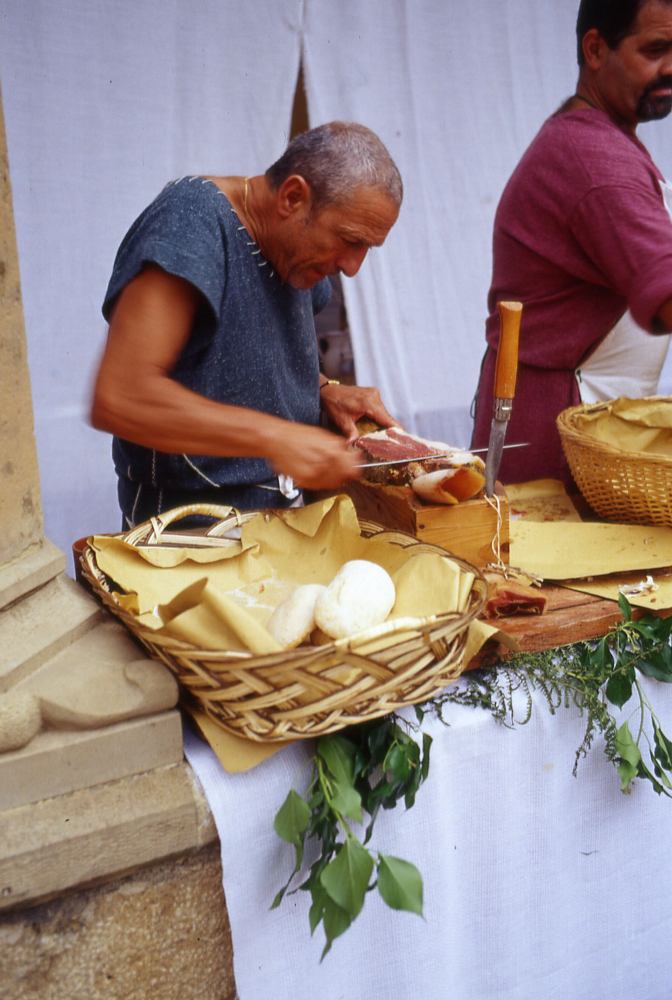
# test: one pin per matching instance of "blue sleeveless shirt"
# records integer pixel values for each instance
(253, 340)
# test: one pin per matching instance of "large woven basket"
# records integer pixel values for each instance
(293, 694)
(625, 486)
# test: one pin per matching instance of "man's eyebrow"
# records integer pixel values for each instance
(355, 236)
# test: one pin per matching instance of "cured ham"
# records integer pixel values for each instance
(456, 476)
(510, 597)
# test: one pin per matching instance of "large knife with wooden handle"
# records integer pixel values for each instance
(506, 369)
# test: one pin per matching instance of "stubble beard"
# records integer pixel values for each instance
(651, 108)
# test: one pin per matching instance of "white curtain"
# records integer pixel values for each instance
(106, 100)
(456, 91)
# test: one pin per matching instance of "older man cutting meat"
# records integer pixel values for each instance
(210, 379)
(583, 237)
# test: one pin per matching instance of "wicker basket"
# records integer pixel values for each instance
(293, 694)
(619, 485)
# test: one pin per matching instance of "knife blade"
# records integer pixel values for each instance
(443, 454)
(506, 369)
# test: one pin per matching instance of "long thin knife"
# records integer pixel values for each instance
(506, 369)
(443, 454)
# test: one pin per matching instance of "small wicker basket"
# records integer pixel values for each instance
(294, 694)
(624, 486)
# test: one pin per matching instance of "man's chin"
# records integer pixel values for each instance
(653, 110)
(303, 280)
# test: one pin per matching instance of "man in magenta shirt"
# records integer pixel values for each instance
(583, 238)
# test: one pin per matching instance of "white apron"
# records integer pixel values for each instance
(628, 362)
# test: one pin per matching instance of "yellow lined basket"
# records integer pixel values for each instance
(624, 486)
(296, 694)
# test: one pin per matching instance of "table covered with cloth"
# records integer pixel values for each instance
(536, 883)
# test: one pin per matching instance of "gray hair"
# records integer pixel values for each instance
(336, 159)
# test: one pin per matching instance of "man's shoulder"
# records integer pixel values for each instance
(193, 194)
(587, 145)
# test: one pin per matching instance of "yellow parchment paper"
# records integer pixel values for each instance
(565, 551)
(593, 558)
(540, 500)
(635, 425)
(609, 587)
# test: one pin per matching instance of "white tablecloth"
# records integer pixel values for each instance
(538, 885)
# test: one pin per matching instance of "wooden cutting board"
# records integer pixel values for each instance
(570, 616)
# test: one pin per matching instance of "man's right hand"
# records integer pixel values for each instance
(315, 459)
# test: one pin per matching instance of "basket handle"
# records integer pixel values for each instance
(160, 522)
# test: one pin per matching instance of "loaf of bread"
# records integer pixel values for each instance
(360, 596)
(293, 620)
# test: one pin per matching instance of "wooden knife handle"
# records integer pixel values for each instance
(507, 352)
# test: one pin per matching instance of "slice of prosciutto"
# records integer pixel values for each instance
(509, 597)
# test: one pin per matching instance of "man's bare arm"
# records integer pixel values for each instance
(136, 398)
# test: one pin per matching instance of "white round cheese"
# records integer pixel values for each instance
(360, 596)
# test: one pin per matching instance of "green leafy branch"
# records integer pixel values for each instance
(592, 675)
(374, 765)
(355, 773)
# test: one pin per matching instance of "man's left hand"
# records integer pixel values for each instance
(345, 404)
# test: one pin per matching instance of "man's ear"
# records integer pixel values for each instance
(594, 49)
(293, 195)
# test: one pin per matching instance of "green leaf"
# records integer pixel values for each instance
(347, 801)
(619, 688)
(316, 912)
(400, 884)
(412, 788)
(399, 761)
(346, 878)
(648, 630)
(630, 756)
(277, 899)
(624, 605)
(338, 754)
(292, 819)
(658, 666)
(426, 747)
(659, 773)
(643, 772)
(600, 657)
(336, 921)
(379, 736)
(663, 747)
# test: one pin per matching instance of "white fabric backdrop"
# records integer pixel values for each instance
(106, 100)
(537, 884)
(456, 91)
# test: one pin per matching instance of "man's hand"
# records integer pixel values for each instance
(315, 459)
(345, 404)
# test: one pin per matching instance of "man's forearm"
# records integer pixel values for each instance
(173, 419)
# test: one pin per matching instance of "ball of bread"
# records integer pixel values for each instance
(360, 596)
(294, 619)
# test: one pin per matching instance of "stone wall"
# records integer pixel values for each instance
(162, 933)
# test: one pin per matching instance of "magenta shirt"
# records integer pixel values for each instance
(581, 234)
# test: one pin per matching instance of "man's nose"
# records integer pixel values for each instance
(350, 261)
